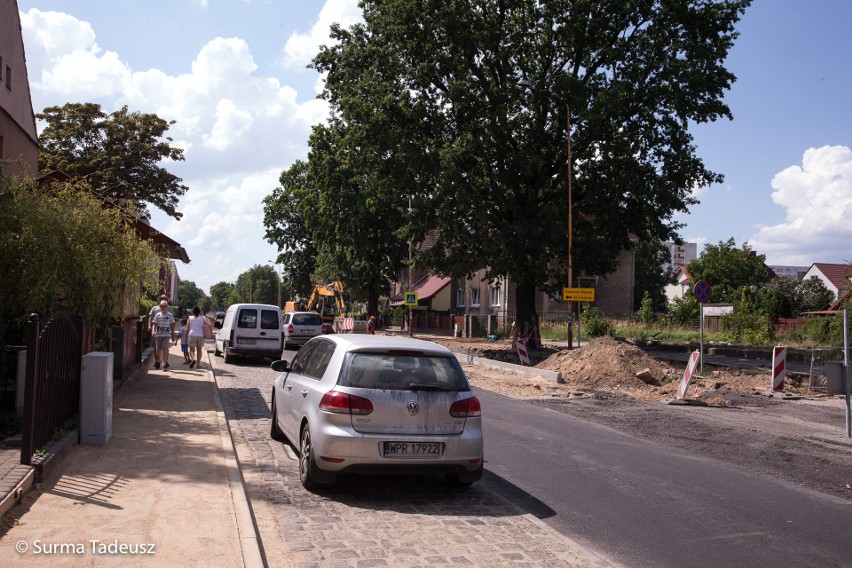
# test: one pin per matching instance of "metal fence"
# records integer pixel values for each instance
(819, 357)
(52, 390)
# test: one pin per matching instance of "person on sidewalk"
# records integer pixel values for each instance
(195, 336)
(162, 330)
(184, 342)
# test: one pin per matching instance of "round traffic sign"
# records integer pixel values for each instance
(702, 291)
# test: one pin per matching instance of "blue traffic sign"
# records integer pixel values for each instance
(702, 291)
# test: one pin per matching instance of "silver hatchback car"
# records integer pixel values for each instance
(299, 327)
(377, 404)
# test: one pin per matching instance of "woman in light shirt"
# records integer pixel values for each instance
(195, 336)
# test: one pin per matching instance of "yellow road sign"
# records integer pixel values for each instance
(578, 294)
(411, 298)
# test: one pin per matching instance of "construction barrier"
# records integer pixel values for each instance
(779, 368)
(687, 374)
(345, 325)
(522, 352)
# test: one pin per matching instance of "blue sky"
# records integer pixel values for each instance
(232, 74)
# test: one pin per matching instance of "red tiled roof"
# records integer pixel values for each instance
(837, 274)
(426, 287)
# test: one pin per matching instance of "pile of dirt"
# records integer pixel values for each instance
(607, 364)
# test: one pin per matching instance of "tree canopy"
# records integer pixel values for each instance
(429, 108)
(219, 295)
(190, 295)
(118, 154)
(334, 218)
(728, 269)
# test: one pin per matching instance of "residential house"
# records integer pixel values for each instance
(18, 135)
(836, 277)
(682, 286)
(491, 304)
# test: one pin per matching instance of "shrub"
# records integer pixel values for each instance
(593, 323)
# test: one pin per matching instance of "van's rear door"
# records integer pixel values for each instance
(269, 334)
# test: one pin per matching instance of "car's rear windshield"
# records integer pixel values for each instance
(307, 319)
(402, 372)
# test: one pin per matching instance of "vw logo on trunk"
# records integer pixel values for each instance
(413, 407)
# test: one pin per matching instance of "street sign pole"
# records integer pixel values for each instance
(702, 292)
(701, 340)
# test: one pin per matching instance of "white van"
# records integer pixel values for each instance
(250, 330)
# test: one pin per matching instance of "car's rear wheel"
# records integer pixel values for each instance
(306, 459)
(228, 357)
(466, 478)
(274, 431)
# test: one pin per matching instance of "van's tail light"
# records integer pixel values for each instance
(231, 338)
(345, 403)
(466, 408)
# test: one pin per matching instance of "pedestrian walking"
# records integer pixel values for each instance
(163, 330)
(195, 336)
(184, 342)
(371, 325)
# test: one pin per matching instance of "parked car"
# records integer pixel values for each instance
(377, 404)
(250, 330)
(299, 327)
(219, 318)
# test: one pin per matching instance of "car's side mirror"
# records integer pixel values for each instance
(280, 366)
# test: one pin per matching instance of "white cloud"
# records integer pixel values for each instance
(300, 48)
(818, 198)
(63, 48)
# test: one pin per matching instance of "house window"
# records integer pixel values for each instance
(8, 77)
(495, 295)
(474, 297)
(460, 295)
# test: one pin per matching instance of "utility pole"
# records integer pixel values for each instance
(570, 237)
(410, 281)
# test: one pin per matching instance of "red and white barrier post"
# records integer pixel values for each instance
(779, 368)
(522, 352)
(687, 374)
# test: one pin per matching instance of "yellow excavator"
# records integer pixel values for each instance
(327, 301)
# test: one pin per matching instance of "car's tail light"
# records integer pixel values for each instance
(345, 403)
(290, 329)
(466, 408)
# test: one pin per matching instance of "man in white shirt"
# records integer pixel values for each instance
(162, 330)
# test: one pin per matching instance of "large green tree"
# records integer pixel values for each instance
(729, 268)
(219, 294)
(190, 295)
(119, 154)
(341, 210)
(258, 285)
(428, 91)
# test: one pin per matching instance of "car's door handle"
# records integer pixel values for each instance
(263, 333)
(289, 387)
(305, 393)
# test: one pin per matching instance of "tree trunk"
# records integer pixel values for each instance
(526, 318)
(372, 302)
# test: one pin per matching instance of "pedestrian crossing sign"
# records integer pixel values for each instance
(411, 298)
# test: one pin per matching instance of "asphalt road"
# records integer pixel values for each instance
(645, 505)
